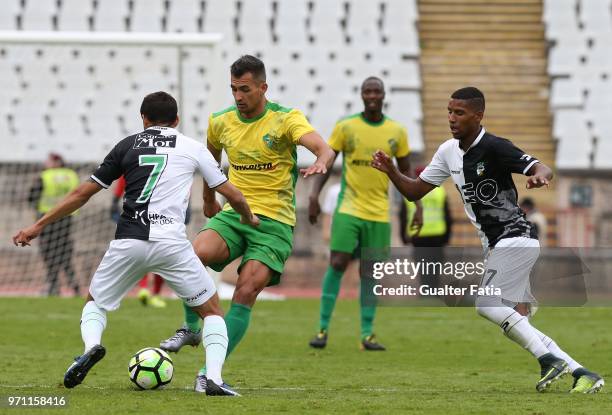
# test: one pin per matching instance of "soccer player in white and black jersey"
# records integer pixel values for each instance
(159, 164)
(481, 165)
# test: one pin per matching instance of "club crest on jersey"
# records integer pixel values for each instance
(273, 142)
(154, 141)
(393, 145)
(268, 140)
(480, 168)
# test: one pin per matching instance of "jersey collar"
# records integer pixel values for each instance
(374, 124)
(257, 118)
(475, 143)
(157, 127)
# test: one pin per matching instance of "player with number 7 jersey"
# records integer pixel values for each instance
(158, 164)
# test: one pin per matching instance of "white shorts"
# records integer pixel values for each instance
(509, 265)
(127, 260)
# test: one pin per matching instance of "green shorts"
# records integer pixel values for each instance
(349, 233)
(270, 243)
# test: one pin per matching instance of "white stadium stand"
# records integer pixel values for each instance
(11, 9)
(580, 65)
(317, 53)
(184, 16)
(75, 15)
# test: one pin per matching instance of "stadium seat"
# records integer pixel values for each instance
(255, 24)
(566, 93)
(74, 15)
(147, 16)
(39, 15)
(184, 16)
(290, 23)
(362, 23)
(561, 18)
(111, 16)
(602, 155)
(219, 17)
(415, 135)
(596, 16)
(574, 147)
(8, 17)
(324, 27)
(399, 25)
(566, 54)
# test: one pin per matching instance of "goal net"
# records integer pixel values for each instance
(76, 95)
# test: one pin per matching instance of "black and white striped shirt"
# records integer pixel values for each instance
(483, 177)
(158, 164)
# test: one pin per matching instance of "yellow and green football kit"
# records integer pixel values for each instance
(362, 214)
(262, 154)
(361, 219)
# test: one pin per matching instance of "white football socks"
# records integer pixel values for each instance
(515, 326)
(557, 351)
(93, 323)
(214, 339)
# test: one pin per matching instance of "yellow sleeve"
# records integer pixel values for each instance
(296, 126)
(336, 141)
(403, 149)
(212, 135)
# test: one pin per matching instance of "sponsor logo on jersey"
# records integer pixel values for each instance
(139, 215)
(158, 219)
(146, 140)
(361, 163)
(255, 166)
(484, 192)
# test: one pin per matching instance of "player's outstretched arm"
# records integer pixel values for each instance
(539, 175)
(403, 164)
(317, 146)
(412, 189)
(211, 205)
(75, 199)
(236, 200)
(314, 208)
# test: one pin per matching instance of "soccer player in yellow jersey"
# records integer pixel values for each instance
(260, 139)
(361, 219)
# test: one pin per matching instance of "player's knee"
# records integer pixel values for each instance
(209, 308)
(522, 309)
(484, 305)
(246, 293)
(338, 263)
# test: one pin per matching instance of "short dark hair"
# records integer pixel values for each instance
(373, 78)
(159, 107)
(473, 95)
(246, 64)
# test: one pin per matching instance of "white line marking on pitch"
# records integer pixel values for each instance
(243, 389)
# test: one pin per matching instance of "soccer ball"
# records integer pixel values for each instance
(150, 368)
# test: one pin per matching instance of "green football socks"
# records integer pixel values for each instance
(367, 302)
(329, 293)
(237, 320)
(192, 319)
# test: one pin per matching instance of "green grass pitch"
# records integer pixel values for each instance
(439, 360)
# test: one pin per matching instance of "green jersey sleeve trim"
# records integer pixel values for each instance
(273, 106)
(348, 117)
(228, 109)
